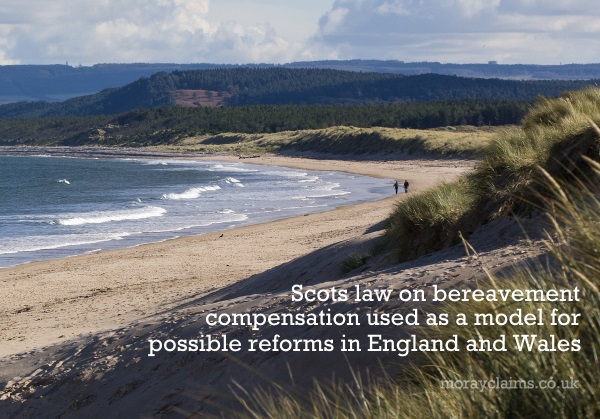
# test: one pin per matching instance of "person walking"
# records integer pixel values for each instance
(396, 187)
(406, 185)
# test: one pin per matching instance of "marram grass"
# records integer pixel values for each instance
(355, 261)
(347, 141)
(426, 222)
(574, 261)
(554, 135)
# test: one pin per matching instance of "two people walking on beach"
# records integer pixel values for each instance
(406, 185)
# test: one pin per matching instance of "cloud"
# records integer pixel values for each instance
(92, 31)
(509, 31)
(236, 43)
(333, 19)
(461, 31)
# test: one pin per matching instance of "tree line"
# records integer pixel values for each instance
(170, 124)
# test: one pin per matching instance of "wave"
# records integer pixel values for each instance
(98, 217)
(328, 190)
(273, 210)
(37, 243)
(191, 193)
(65, 181)
(209, 219)
(323, 194)
(234, 182)
(310, 179)
(229, 168)
(285, 174)
(223, 217)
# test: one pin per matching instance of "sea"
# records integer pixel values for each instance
(54, 207)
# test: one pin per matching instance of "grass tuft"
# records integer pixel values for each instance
(355, 261)
(427, 222)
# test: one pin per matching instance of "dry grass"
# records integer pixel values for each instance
(449, 142)
(428, 221)
(197, 98)
(554, 136)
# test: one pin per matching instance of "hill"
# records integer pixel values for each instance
(280, 86)
(488, 70)
(55, 83)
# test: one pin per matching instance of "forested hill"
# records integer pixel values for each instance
(260, 86)
(58, 82)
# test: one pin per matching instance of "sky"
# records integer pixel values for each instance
(87, 32)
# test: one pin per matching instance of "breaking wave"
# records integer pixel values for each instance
(234, 182)
(36, 243)
(191, 193)
(98, 217)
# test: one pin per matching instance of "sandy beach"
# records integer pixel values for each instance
(51, 301)
(75, 331)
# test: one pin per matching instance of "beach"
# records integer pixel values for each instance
(52, 301)
(76, 332)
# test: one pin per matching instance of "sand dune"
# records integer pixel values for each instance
(75, 331)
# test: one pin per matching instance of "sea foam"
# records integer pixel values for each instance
(98, 217)
(191, 193)
(234, 182)
(36, 243)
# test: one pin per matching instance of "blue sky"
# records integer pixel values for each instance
(244, 31)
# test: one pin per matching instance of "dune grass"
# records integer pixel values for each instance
(554, 136)
(465, 142)
(560, 176)
(574, 245)
(427, 221)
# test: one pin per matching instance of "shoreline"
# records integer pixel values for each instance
(49, 302)
(341, 189)
(379, 169)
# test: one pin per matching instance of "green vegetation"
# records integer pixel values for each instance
(554, 135)
(563, 185)
(270, 100)
(428, 221)
(283, 86)
(173, 125)
(354, 261)
(59, 82)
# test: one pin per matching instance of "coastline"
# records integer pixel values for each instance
(47, 302)
(168, 206)
(378, 166)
